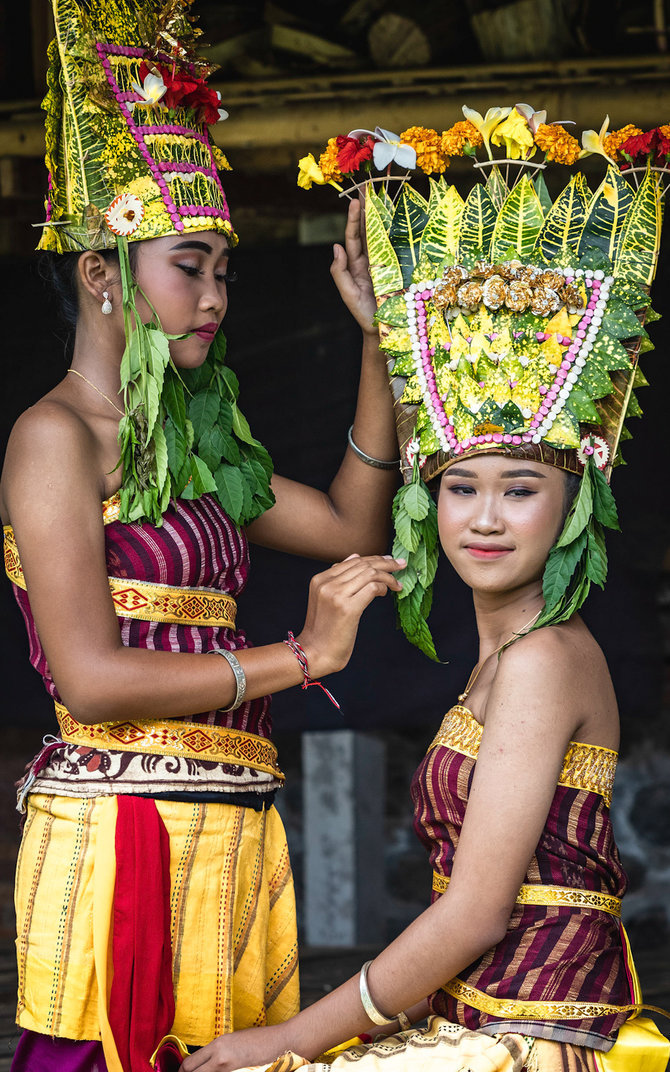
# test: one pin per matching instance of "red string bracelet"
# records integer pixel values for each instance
(299, 653)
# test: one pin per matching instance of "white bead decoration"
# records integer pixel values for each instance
(416, 298)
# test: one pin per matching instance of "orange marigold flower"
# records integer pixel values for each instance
(556, 143)
(328, 162)
(427, 143)
(459, 136)
(665, 130)
(615, 139)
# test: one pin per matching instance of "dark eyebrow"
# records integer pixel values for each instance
(191, 243)
(512, 474)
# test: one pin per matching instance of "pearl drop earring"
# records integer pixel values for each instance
(106, 306)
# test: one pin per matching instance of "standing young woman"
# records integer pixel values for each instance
(504, 316)
(154, 890)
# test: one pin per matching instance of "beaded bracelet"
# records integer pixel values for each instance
(376, 463)
(299, 653)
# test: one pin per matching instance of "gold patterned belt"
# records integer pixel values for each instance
(553, 896)
(168, 737)
(176, 606)
(146, 601)
(516, 1009)
(520, 1009)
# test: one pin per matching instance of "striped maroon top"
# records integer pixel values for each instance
(197, 546)
(566, 954)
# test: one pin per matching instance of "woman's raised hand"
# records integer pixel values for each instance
(351, 273)
(337, 598)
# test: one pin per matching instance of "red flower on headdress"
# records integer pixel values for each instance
(351, 153)
(663, 144)
(186, 90)
(639, 144)
(205, 103)
(654, 142)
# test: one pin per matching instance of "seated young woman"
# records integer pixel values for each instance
(512, 796)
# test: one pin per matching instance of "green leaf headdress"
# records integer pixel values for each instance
(512, 324)
(130, 157)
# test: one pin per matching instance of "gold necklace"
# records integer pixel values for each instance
(101, 393)
(475, 673)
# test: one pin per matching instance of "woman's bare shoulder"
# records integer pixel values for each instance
(50, 448)
(563, 668)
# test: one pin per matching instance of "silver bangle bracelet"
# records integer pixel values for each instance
(376, 463)
(371, 1010)
(239, 675)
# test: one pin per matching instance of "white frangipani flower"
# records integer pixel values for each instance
(153, 90)
(388, 148)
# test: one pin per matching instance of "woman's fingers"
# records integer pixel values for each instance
(355, 567)
(337, 599)
(196, 1061)
(353, 232)
(350, 272)
(355, 579)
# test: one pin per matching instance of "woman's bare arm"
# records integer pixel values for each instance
(354, 514)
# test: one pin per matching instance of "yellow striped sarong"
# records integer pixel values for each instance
(234, 940)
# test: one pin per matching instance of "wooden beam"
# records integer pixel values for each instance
(292, 115)
(315, 49)
(22, 139)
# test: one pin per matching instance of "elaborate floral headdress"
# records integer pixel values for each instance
(127, 109)
(512, 323)
(130, 158)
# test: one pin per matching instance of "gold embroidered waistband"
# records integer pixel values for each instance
(168, 737)
(176, 606)
(553, 896)
(516, 1009)
(146, 601)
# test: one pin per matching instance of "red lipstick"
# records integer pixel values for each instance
(487, 552)
(207, 331)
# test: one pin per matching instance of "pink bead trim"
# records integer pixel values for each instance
(118, 50)
(428, 370)
(50, 187)
(202, 210)
(140, 132)
(435, 405)
(187, 169)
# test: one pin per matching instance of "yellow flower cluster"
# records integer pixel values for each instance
(557, 144)
(428, 145)
(665, 130)
(328, 162)
(514, 133)
(616, 138)
(455, 139)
